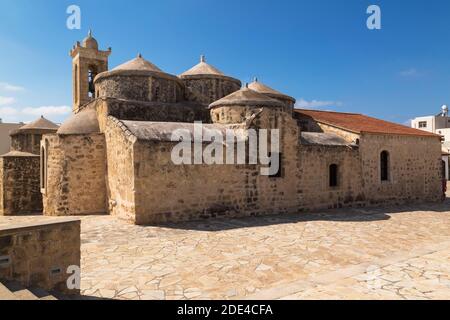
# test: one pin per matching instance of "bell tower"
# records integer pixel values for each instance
(87, 62)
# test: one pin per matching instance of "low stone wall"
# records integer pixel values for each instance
(19, 184)
(39, 255)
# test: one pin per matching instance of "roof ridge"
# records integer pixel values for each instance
(325, 111)
(119, 123)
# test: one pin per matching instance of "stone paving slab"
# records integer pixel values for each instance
(325, 255)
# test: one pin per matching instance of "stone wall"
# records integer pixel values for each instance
(209, 89)
(120, 176)
(19, 184)
(313, 179)
(76, 171)
(144, 86)
(161, 112)
(166, 192)
(414, 168)
(38, 255)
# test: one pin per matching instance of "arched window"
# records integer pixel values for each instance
(334, 175)
(384, 166)
(92, 73)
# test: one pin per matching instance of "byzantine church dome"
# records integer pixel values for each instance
(139, 80)
(138, 63)
(202, 68)
(244, 105)
(247, 97)
(205, 70)
(207, 83)
(84, 122)
(272, 93)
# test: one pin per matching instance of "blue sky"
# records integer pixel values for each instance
(320, 51)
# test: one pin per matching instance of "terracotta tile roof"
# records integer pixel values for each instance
(359, 123)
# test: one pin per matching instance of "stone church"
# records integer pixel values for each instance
(113, 155)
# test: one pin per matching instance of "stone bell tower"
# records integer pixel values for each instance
(87, 62)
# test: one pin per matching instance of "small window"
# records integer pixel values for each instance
(43, 168)
(422, 124)
(334, 175)
(384, 166)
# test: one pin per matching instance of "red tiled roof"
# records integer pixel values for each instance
(359, 123)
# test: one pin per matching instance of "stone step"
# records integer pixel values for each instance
(25, 294)
(18, 292)
(6, 294)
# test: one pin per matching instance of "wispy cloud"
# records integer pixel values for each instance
(10, 87)
(30, 113)
(410, 73)
(6, 100)
(47, 110)
(304, 104)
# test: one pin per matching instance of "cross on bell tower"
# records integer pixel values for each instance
(87, 62)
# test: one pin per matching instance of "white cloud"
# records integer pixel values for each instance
(55, 113)
(9, 87)
(409, 73)
(47, 111)
(304, 104)
(6, 100)
(7, 111)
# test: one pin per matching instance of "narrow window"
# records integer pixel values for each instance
(334, 175)
(91, 76)
(75, 83)
(43, 169)
(384, 166)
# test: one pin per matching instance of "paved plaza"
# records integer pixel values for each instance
(384, 253)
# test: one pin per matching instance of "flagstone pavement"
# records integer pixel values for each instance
(382, 253)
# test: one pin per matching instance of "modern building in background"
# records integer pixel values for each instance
(439, 124)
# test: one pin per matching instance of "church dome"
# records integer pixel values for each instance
(90, 42)
(247, 97)
(39, 125)
(202, 68)
(266, 90)
(139, 80)
(84, 122)
(138, 64)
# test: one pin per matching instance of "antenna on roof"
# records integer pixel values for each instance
(255, 79)
(139, 55)
(202, 58)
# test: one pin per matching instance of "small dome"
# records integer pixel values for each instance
(202, 68)
(247, 97)
(84, 122)
(18, 154)
(90, 42)
(262, 88)
(40, 124)
(138, 64)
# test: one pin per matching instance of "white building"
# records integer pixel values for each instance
(439, 124)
